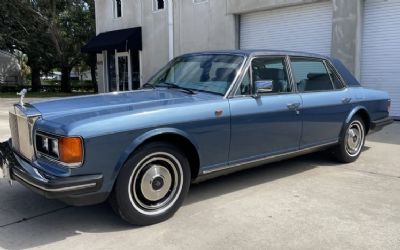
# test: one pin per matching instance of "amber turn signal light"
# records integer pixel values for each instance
(70, 150)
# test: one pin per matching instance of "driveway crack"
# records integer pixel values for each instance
(33, 217)
(370, 172)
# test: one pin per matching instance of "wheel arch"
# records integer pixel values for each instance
(178, 138)
(363, 113)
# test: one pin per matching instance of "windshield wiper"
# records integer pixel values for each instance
(176, 86)
(148, 85)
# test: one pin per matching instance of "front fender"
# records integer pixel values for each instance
(139, 140)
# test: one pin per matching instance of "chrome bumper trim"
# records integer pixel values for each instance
(63, 189)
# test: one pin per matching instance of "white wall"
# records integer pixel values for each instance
(105, 21)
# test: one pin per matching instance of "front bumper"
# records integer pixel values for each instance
(380, 124)
(74, 190)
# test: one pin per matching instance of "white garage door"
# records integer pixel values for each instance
(380, 58)
(305, 28)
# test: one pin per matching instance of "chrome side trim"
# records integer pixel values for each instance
(51, 159)
(63, 189)
(272, 157)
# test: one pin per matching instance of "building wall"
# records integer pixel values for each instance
(105, 21)
(203, 26)
(155, 39)
(214, 24)
(240, 6)
(136, 13)
(346, 33)
(346, 24)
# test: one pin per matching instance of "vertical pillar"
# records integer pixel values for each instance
(347, 33)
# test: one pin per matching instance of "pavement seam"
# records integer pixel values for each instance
(33, 217)
(370, 172)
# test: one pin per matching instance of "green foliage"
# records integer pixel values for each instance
(50, 32)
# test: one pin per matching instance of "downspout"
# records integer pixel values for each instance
(170, 29)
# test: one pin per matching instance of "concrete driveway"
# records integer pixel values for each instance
(309, 202)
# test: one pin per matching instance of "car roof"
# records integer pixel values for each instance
(254, 52)
(343, 71)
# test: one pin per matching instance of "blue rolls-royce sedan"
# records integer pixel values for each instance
(202, 115)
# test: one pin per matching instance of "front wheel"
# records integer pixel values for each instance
(152, 184)
(351, 142)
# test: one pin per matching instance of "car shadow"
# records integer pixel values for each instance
(57, 224)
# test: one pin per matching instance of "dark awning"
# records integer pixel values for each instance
(121, 40)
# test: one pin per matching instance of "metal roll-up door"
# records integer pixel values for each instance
(380, 56)
(306, 27)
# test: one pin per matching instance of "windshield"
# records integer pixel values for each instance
(208, 73)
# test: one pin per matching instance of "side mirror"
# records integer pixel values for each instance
(263, 86)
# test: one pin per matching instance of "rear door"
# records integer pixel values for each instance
(268, 123)
(326, 101)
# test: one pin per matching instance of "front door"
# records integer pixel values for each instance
(269, 122)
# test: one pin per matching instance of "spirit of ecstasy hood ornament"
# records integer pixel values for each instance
(22, 94)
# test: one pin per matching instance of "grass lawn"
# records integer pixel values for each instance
(43, 94)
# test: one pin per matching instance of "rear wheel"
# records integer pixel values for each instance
(152, 184)
(351, 142)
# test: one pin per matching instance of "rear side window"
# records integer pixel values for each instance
(337, 83)
(311, 75)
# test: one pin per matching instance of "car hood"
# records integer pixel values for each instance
(83, 107)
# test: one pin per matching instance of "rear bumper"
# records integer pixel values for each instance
(74, 190)
(380, 124)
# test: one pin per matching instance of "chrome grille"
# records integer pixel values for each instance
(14, 130)
(21, 128)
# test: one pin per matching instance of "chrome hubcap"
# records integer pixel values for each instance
(354, 138)
(155, 183)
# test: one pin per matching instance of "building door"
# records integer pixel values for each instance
(305, 28)
(123, 70)
(381, 49)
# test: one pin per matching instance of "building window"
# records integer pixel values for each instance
(158, 5)
(199, 1)
(117, 8)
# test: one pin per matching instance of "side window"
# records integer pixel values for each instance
(310, 75)
(245, 86)
(337, 83)
(158, 5)
(117, 8)
(269, 75)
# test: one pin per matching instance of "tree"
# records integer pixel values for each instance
(23, 30)
(71, 25)
(50, 32)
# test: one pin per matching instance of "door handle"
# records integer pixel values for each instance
(293, 106)
(346, 100)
